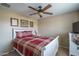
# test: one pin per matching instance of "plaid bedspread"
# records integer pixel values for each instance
(31, 46)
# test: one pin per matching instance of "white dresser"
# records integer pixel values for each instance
(73, 47)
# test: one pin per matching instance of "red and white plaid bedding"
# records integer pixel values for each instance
(30, 46)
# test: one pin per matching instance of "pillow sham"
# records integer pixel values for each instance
(27, 33)
(18, 34)
(24, 34)
(42, 37)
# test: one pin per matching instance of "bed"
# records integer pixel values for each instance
(34, 45)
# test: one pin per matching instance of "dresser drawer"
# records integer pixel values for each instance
(74, 51)
(78, 50)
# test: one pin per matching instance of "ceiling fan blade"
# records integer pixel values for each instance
(48, 13)
(32, 8)
(48, 6)
(33, 14)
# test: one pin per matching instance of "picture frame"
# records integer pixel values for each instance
(14, 21)
(31, 24)
(23, 23)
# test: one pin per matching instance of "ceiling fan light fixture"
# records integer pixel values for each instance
(40, 13)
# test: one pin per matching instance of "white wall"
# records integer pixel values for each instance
(58, 25)
(6, 29)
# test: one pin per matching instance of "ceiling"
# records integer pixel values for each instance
(56, 9)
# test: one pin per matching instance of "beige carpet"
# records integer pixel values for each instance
(61, 52)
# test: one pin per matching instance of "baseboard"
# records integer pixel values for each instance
(7, 52)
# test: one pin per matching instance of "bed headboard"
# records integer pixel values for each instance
(20, 30)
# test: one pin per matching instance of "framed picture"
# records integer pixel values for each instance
(23, 23)
(14, 21)
(31, 24)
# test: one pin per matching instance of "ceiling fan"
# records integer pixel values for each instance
(41, 10)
